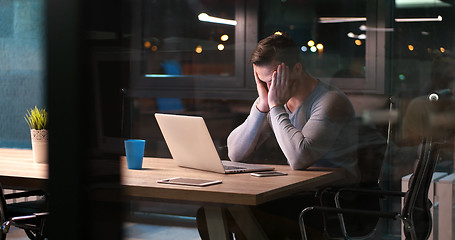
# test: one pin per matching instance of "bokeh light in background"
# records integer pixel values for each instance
(198, 49)
(224, 37)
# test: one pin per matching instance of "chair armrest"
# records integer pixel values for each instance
(377, 192)
(392, 215)
(28, 217)
(17, 221)
(373, 191)
(25, 194)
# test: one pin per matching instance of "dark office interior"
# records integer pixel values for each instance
(109, 66)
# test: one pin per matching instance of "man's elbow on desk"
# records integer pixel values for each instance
(298, 164)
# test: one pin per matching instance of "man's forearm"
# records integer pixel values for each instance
(243, 140)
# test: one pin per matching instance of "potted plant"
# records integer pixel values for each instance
(37, 121)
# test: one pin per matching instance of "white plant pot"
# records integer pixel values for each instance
(39, 145)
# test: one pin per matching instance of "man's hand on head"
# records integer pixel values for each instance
(263, 105)
(281, 88)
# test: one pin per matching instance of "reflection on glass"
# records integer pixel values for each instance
(329, 32)
(422, 64)
(183, 37)
(422, 36)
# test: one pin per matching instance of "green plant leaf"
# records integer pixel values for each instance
(36, 118)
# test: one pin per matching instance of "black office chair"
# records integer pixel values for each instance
(415, 215)
(372, 151)
(27, 215)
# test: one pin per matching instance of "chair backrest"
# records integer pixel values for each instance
(371, 154)
(416, 208)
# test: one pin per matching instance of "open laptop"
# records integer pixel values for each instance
(191, 145)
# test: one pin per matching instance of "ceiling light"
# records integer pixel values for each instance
(364, 19)
(341, 19)
(204, 17)
(420, 3)
(434, 19)
(363, 27)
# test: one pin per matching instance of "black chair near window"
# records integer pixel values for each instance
(415, 214)
(372, 151)
(29, 215)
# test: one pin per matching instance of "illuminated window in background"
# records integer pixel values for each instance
(321, 29)
(423, 34)
(198, 38)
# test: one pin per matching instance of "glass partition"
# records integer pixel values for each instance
(191, 57)
(421, 62)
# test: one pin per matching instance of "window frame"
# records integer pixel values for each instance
(241, 86)
(178, 86)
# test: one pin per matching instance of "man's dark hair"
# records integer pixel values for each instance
(278, 48)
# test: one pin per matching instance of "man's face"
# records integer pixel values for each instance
(265, 72)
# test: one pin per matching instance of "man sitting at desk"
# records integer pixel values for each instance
(296, 120)
(312, 122)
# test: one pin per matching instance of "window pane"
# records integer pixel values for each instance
(331, 34)
(188, 38)
(423, 37)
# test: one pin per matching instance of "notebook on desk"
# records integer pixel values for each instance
(191, 145)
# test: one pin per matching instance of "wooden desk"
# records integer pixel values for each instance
(236, 191)
(242, 189)
(18, 171)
